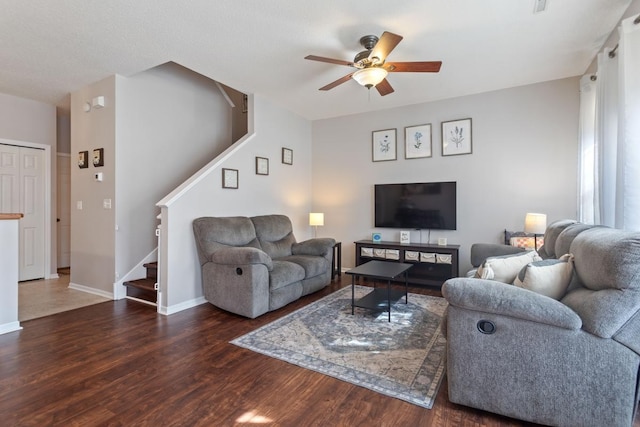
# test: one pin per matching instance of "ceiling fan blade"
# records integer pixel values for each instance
(388, 41)
(384, 88)
(413, 67)
(337, 82)
(329, 60)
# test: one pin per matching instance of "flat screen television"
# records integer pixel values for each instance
(425, 205)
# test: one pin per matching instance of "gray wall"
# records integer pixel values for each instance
(32, 121)
(524, 160)
(92, 227)
(170, 122)
(157, 128)
(286, 190)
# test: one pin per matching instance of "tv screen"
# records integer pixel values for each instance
(427, 205)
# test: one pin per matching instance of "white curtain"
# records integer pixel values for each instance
(587, 162)
(609, 181)
(606, 138)
(628, 197)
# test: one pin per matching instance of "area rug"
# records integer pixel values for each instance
(404, 358)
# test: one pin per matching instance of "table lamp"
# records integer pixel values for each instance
(535, 223)
(316, 219)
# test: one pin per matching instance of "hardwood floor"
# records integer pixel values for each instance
(120, 363)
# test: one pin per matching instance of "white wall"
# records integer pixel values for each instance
(286, 190)
(524, 160)
(34, 122)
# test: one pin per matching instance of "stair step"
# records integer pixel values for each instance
(143, 289)
(152, 270)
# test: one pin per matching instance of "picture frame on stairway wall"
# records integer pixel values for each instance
(287, 156)
(230, 178)
(262, 166)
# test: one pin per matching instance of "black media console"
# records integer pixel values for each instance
(433, 264)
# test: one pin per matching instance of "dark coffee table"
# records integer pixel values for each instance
(379, 299)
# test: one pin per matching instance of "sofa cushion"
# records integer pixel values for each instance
(505, 268)
(313, 265)
(551, 235)
(275, 234)
(608, 270)
(550, 277)
(566, 236)
(284, 273)
(213, 233)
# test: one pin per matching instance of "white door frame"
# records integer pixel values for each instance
(47, 198)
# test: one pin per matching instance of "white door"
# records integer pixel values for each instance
(22, 191)
(64, 211)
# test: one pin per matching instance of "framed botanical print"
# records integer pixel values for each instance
(383, 145)
(456, 137)
(262, 166)
(417, 141)
(230, 178)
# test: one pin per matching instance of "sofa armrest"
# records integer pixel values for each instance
(493, 297)
(242, 255)
(482, 251)
(321, 246)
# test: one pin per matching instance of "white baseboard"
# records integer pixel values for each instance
(9, 327)
(172, 309)
(89, 290)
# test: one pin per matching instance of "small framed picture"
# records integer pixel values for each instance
(405, 237)
(262, 166)
(287, 156)
(230, 178)
(417, 141)
(456, 137)
(383, 144)
(83, 159)
(376, 237)
(98, 157)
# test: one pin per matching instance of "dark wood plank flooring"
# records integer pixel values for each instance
(120, 363)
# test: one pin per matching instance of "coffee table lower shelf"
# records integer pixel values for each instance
(380, 299)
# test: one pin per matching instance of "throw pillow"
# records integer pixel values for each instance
(505, 268)
(550, 277)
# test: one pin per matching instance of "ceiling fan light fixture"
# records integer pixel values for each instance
(369, 77)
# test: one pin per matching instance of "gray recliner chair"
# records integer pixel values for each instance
(572, 362)
(254, 265)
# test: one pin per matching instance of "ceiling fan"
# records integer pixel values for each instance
(372, 68)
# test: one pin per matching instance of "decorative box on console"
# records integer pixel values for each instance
(379, 252)
(412, 256)
(427, 257)
(393, 254)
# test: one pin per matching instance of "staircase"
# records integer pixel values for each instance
(144, 290)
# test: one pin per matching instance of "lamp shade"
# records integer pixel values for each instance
(535, 223)
(371, 76)
(316, 218)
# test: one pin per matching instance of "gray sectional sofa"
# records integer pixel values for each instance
(254, 265)
(568, 362)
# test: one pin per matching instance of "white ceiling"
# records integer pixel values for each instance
(49, 49)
